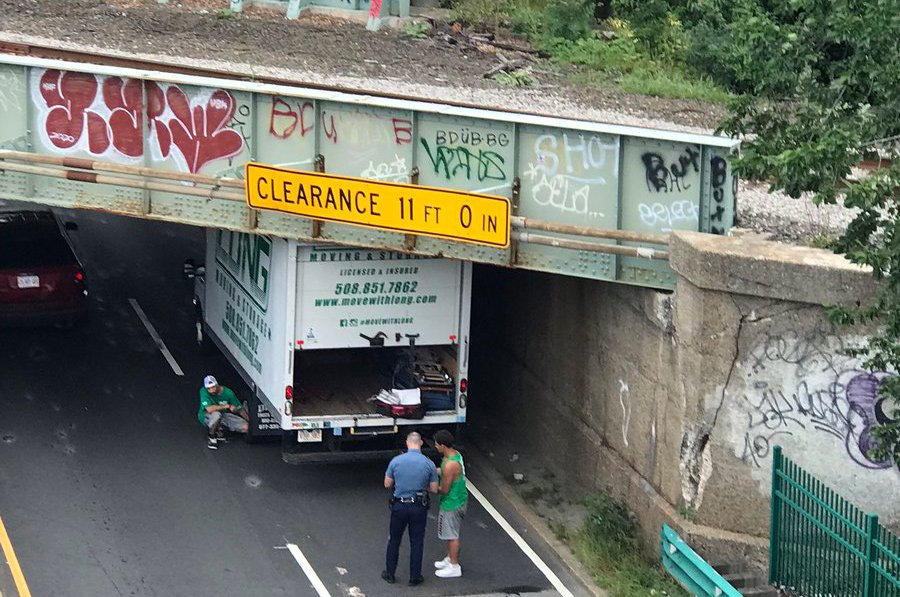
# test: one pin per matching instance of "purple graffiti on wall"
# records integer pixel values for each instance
(866, 411)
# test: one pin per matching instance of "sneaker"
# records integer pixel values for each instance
(220, 437)
(442, 563)
(211, 443)
(450, 571)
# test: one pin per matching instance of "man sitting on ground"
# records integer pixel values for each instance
(219, 408)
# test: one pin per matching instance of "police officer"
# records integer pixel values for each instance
(412, 477)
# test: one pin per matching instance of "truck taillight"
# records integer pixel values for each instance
(288, 393)
(463, 385)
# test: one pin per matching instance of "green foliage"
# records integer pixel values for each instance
(825, 94)
(655, 25)
(687, 513)
(226, 14)
(416, 30)
(673, 82)
(571, 20)
(607, 544)
(521, 16)
(520, 77)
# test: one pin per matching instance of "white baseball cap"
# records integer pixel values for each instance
(210, 382)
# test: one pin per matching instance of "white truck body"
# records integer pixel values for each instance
(271, 304)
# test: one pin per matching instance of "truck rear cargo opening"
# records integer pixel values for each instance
(339, 344)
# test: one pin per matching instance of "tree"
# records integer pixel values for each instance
(821, 94)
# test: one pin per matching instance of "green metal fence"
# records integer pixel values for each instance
(822, 545)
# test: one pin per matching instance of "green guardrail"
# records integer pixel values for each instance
(821, 544)
(690, 569)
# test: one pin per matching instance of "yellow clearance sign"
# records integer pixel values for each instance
(442, 213)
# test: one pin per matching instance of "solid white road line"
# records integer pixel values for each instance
(152, 331)
(518, 540)
(317, 583)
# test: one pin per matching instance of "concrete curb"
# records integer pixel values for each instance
(562, 551)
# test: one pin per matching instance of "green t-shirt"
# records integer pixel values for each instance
(458, 495)
(207, 399)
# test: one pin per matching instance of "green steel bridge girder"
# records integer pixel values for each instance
(557, 170)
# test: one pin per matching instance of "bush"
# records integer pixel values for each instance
(568, 19)
(607, 544)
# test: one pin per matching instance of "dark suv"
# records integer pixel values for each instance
(41, 278)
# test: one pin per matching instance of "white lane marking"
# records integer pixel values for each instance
(308, 570)
(152, 331)
(518, 540)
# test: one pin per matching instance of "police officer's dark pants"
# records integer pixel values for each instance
(414, 516)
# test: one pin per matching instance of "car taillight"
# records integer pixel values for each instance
(79, 276)
(463, 384)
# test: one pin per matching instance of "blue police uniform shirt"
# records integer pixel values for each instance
(412, 472)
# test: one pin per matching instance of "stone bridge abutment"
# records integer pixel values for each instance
(673, 401)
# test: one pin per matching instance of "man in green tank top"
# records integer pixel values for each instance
(454, 499)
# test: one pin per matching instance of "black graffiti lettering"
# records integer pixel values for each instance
(656, 172)
(453, 162)
(719, 171)
(718, 176)
(674, 177)
(470, 138)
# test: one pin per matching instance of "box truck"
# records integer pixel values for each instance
(344, 349)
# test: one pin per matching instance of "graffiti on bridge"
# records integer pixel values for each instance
(565, 169)
(395, 171)
(663, 217)
(663, 178)
(832, 399)
(469, 164)
(103, 116)
(719, 175)
(289, 115)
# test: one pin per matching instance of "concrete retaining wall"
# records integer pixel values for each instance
(673, 401)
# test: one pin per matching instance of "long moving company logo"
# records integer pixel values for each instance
(248, 258)
(243, 271)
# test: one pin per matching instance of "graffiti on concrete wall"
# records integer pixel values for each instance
(804, 392)
(103, 116)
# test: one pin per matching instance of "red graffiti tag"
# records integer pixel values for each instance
(126, 104)
(329, 134)
(201, 133)
(284, 119)
(74, 118)
(402, 130)
(68, 95)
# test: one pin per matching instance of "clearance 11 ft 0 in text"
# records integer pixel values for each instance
(442, 213)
